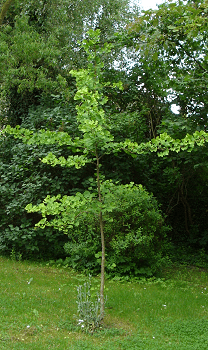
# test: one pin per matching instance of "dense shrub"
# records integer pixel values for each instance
(32, 243)
(24, 179)
(134, 233)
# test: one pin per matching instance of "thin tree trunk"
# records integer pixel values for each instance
(102, 282)
(4, 10)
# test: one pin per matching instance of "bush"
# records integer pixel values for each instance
(24, 179)
(134, 232)
(32, 243)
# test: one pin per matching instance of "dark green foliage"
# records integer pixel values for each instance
(135, 236)
(31, 243)
(24, 179)
(50, 32)
(172, 62)
(52, 113)
(184, 253)
(19, 105)
(179, 185)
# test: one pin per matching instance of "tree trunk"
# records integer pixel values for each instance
(4, 10)
(102, 282)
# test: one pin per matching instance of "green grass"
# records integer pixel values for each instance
(37, 304)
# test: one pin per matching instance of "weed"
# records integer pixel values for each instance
(14, 256)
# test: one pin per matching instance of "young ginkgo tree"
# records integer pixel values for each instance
(96, 141)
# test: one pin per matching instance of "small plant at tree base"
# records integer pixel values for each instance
(89, 314)
(14, 256)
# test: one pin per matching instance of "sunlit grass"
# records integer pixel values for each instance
(38, 304)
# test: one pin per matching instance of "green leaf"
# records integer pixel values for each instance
(155, 56)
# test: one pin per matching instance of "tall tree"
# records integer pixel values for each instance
(50, 32)
(174, 37)
(171, 43)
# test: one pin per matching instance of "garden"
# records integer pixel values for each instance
(103, 175)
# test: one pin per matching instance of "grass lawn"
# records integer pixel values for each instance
(37, 304)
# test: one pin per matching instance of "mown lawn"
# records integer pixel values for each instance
(38, 303)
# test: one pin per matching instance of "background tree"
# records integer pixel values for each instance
(172, 43)
(4, 10)
(50, 32)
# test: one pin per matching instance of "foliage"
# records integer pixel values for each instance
(93, 139)
(134, 232)
(174, 37)
(25, 178)
(140, 112)
(178, 181)
(171, 47)
(50, 33)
